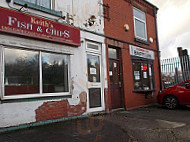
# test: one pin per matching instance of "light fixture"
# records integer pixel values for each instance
(126, 26)
(91, 20)
(151, 40)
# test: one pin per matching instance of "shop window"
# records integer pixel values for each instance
(140, 24)
(34, 72)
(54, 73)
(143, 76)
(21, 72)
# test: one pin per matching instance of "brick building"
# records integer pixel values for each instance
(61, 59)
(133, 53)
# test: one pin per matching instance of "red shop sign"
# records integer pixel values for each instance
(15, 22)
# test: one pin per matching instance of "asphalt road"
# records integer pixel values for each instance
(150, 124)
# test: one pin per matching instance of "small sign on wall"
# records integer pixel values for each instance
(141, 52)
(137, 75)
(92, 70)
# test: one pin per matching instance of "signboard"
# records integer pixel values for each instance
(18, 23)
(140, 52)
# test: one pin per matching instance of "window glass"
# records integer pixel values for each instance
(184, 84)
(143, 76)
(140, 24)
(112, 53)
(93, 68)
(92, 46)
(140, 29)
(21, 72)
(94, 97)
(137, 76)
(138, 14)
(44, 3)
(54, 73)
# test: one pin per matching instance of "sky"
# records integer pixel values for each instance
(173, 26)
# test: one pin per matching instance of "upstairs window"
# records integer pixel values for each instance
(46, 6)
(43, 3)
(139, 24)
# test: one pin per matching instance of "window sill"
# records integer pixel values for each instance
(142, 41)
(144, 91)
(40, 98)
(37, 7)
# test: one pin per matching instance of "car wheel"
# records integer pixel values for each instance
(170, 102)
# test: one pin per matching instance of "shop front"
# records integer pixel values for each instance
(47, 73)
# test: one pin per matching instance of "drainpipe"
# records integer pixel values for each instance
(157, 44)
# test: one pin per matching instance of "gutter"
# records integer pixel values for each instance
(157, 44)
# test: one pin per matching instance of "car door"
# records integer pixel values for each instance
(183, 93)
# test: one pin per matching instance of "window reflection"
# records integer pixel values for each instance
(143, 76)
(54, 73)
(140, 29)
(44, 3)
(93, 68)
(112, 53)
(21, 72)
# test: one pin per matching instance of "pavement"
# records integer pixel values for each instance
(148, 124)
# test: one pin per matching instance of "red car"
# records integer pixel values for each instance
(176, 95)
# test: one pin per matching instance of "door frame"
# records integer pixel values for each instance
(99, 84)
(119, 58)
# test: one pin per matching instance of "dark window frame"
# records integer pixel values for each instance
(148, 62)
(38, 7)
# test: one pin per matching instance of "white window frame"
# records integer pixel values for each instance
(143, 21)
(93, 50)
(40, 94)
(95, 84)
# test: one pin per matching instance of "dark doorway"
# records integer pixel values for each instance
(115, 78)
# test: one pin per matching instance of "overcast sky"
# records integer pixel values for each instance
(173, 26)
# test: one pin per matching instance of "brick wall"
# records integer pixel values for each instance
(120, 13)
(60, 109)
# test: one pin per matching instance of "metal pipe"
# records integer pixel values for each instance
(157, 44)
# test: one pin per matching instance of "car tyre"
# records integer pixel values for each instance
(170, 102)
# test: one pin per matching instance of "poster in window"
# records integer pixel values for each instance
(144, 74)
(110, 73)
(93, 62)
(137, 75)
(150, 71)
(115, 65)
(92, 70)
(94, 79)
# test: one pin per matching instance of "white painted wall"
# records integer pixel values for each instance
(13, 114)
(81, 11)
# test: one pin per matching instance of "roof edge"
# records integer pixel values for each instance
(151, 4)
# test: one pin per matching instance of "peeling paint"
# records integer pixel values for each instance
(60, 109)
